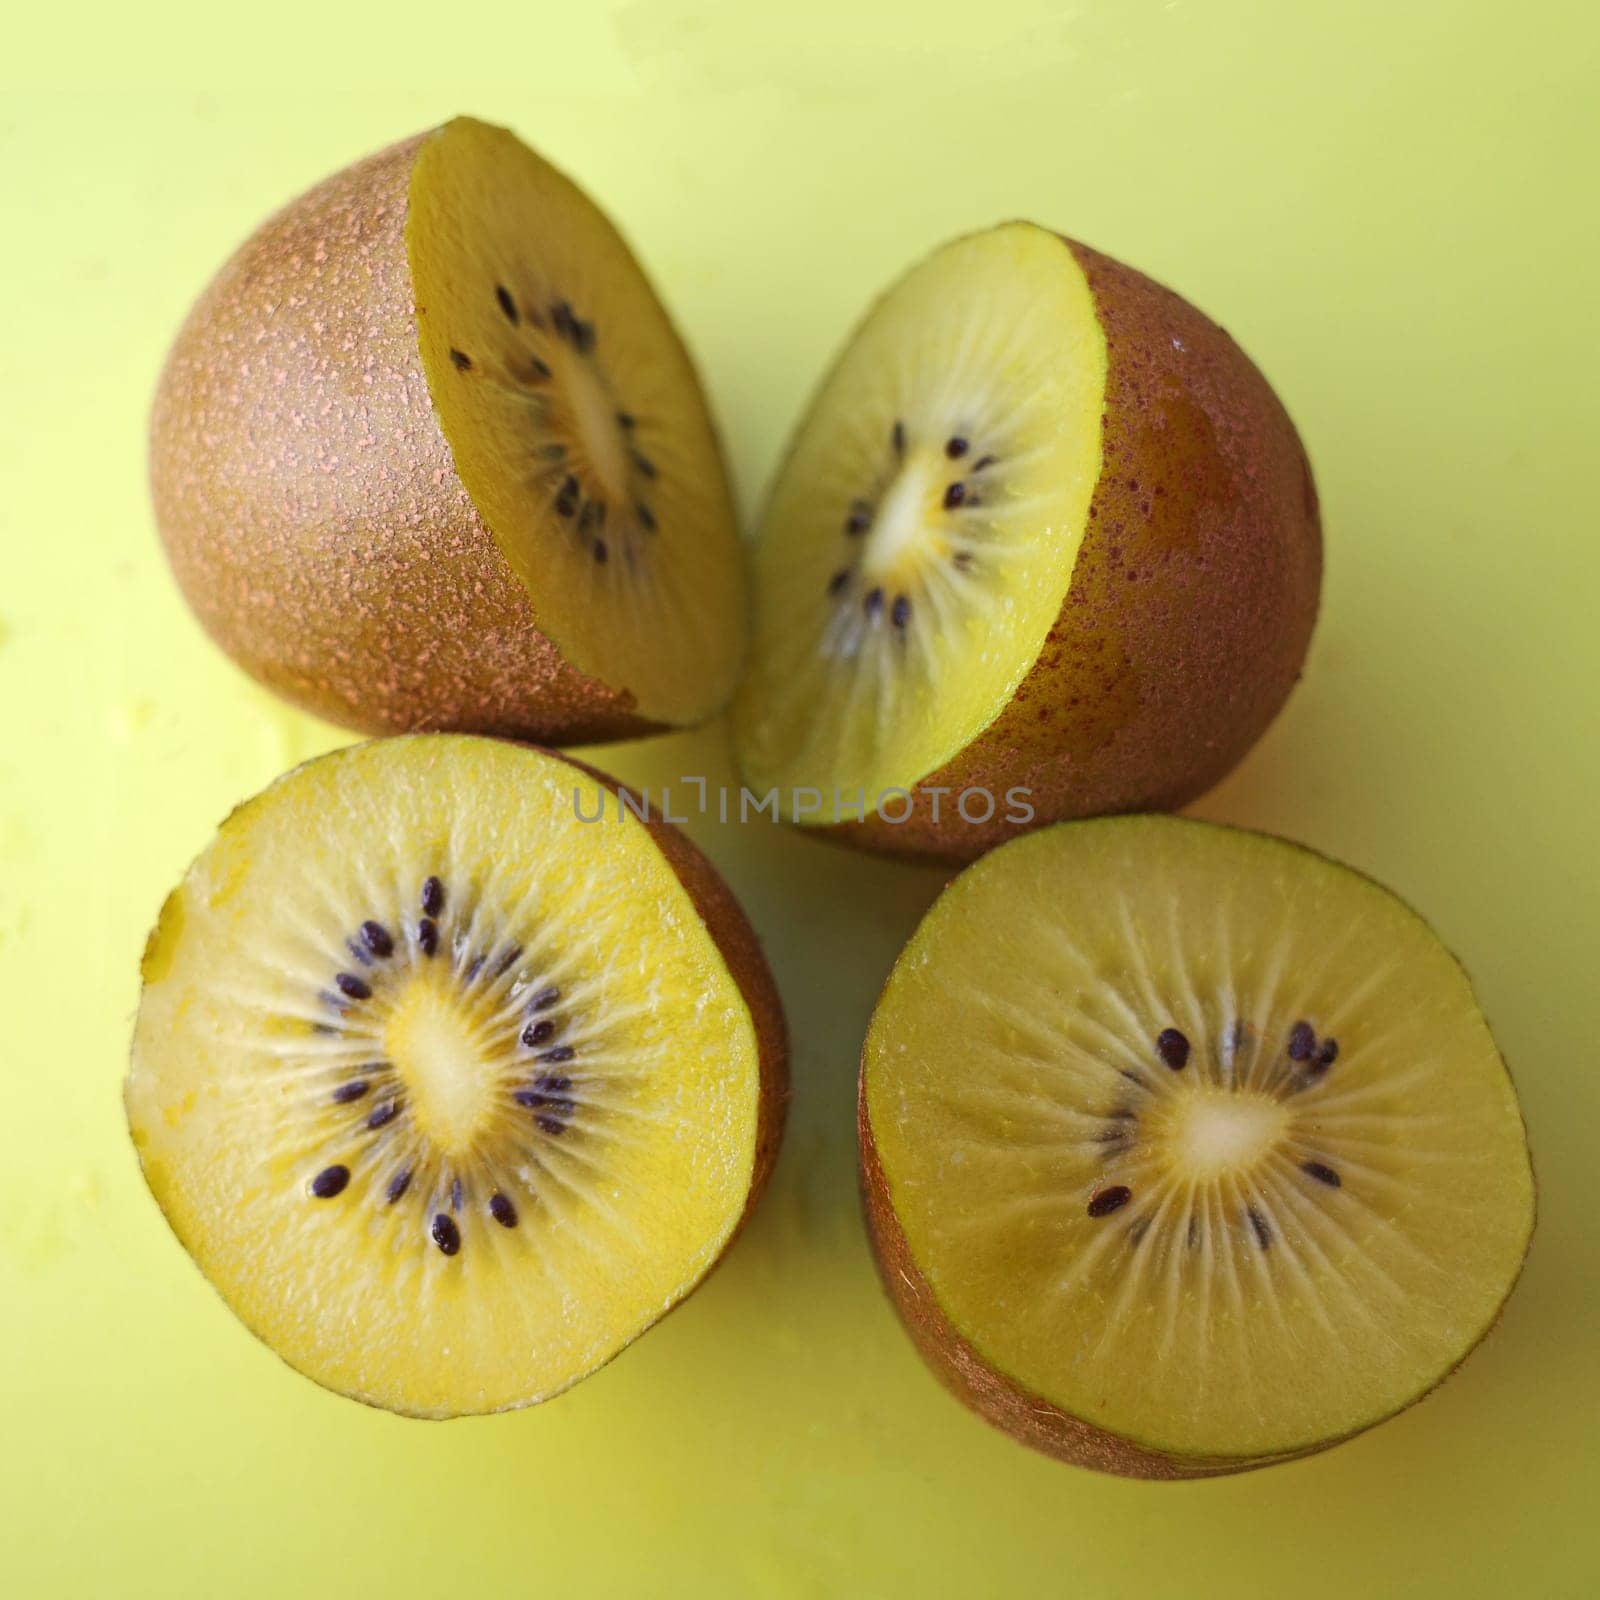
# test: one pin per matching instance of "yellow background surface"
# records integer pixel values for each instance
(1391, 207)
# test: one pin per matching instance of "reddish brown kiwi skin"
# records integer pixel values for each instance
(309, 502)
(1192, 602)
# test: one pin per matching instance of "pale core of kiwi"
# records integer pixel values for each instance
(1230, 1140)
(917, 508)
(587, 462)
(410, 1000)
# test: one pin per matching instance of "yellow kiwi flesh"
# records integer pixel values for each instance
(449, 1092)
(573, 414)
(1186, 1149)
(840, 694)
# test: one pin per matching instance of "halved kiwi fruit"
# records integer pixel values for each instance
(1186, 1150)
(1046, 545)
(450, 1092)
(429, 453)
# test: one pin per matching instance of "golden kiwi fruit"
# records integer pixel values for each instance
(1046, 545)
(453, 1071)
(429, 453)
(1186, 1150)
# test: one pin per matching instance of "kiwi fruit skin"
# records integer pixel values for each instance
(1192, 602)
(1005, 1404)
(738, 945)
(309, 503)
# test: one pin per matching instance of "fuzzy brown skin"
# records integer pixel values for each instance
(741, 953)
(1192, 601)
(309, 503)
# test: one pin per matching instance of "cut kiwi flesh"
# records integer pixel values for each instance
(921, 536)
(1186, 1148)
(576, 422)
(449, 1093)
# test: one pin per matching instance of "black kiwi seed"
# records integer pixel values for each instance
(502, 1210)
(1322, 1173)
(955, 448)
(1173, 1048)
(954, 495)
(462, 360)
(536, 1033)
(346, 1092)
(398, 1185)
(982, 462)
(857, 523)
(507, 304)
(353, 987)
(540, 370)
(584, 336)
(1302, 1041)
(567, 500)
(897, 438)
(446, 1234)
(1259, 1223)
(1106, 1201)
(428, 936)
(600, 551)
(625, 421)
(544, 1000)
(455, 1195)
(1326, 1056)
(551, 1125)
(552, 1080)
(647, 518)
(377, 939)
(900, 612)
(873, 603)
(560, 1055)
(963, 559)
(838, 580)
(330, 1181)
(508, 961)
(432, 897)
(381, 1116)
(643, 463)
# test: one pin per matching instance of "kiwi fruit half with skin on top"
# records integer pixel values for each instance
(450, 1089)
(429, 453)
(1186, 1150)
(1046, 545)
